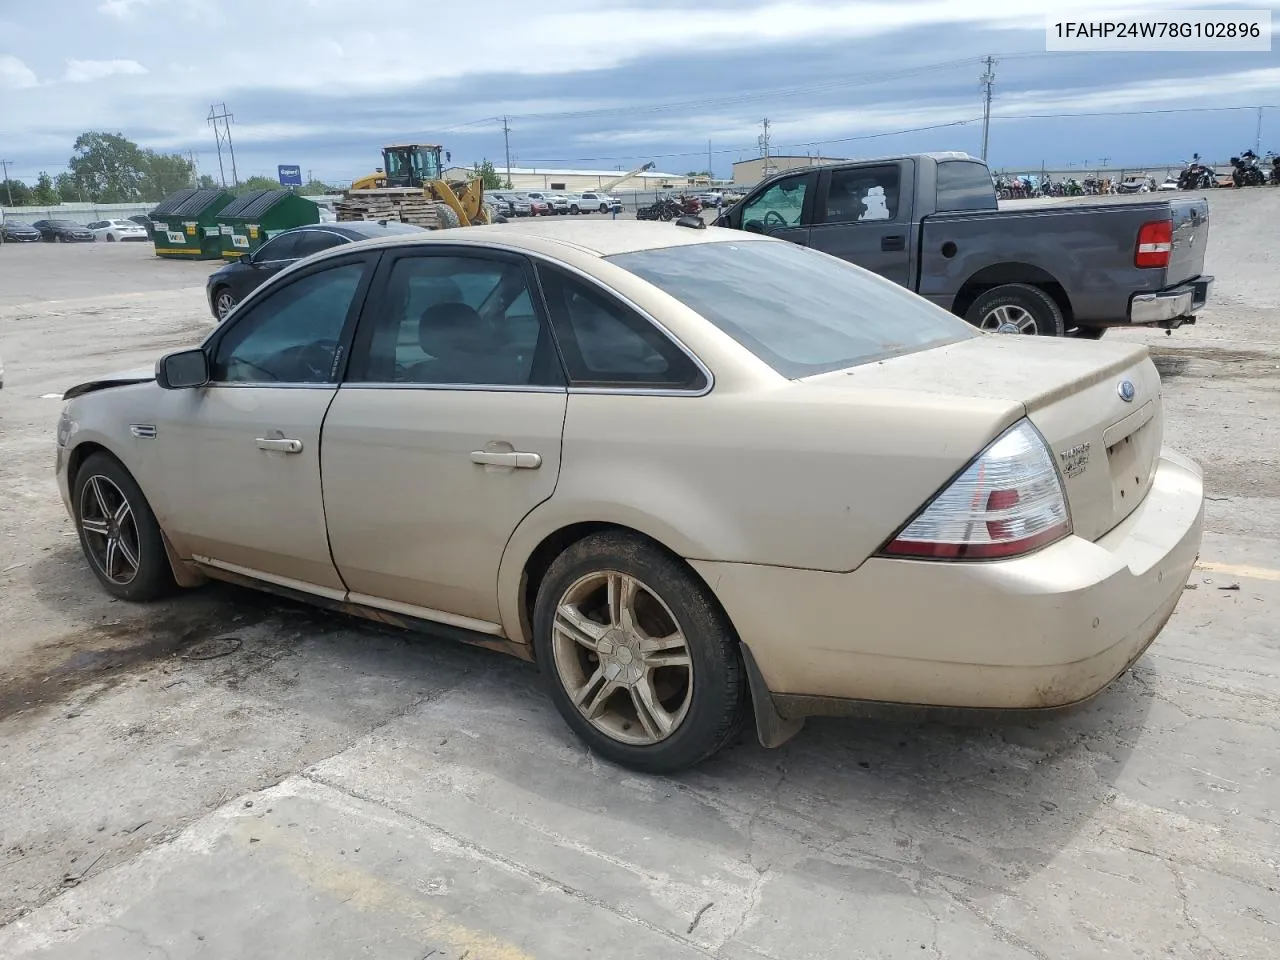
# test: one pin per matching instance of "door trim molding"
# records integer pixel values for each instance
(287, 582)
(427, 613)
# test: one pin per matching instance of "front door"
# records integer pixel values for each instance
(780, 210)
(241, 456)
(862, 215)
(445, 434)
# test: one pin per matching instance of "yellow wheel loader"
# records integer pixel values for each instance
(410, 187)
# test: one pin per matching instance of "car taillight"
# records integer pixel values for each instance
(1155, 244)
(1008, 502)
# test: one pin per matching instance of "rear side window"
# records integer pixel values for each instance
(964, 185)
(800, 311)
(606, 343)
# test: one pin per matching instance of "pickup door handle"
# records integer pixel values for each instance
(895, 242)
(525, 461)
(282, 444)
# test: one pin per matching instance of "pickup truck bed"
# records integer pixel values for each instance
(932, 223)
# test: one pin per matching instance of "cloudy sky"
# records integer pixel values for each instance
(607, 84)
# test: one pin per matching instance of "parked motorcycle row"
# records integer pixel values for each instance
(669, 207)
(1247, 170)
(1018, 188)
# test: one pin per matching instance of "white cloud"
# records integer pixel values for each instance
(87, 71)
(15, 74)
(120, 8)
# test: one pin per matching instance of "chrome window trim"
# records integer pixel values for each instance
(272, 385)
(469, 387)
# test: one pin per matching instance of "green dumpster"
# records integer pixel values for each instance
(252, 219)
(183, 225)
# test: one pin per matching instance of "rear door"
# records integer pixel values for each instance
(863, 215)
(445, 434)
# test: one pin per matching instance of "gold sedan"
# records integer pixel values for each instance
(697, 476)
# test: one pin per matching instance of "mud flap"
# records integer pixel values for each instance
(772, 728)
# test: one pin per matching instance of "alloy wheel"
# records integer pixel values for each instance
(622, 657)
(1009, 318)
(110, 530)
(223, 303)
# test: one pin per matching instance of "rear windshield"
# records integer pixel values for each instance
(802, 312)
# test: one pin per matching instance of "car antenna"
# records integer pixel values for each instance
(696, 223)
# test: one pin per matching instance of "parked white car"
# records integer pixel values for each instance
(113, 230)
(600, 201)
(555, 201)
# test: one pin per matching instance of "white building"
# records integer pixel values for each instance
(575, 181)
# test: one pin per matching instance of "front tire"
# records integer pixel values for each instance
(111, 238)
(118, 532)
(1017, 308)
(640, 661)
(575, 210)
(224, 302)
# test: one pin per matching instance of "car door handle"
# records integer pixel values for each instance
(895, 242)
(525, 461)
(282, 444)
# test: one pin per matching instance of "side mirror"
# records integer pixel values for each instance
(183, 370)
(753, 226)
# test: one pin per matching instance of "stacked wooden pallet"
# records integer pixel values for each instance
(409, 206)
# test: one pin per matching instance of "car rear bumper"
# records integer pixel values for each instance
(1042, 631)
(1171, 307)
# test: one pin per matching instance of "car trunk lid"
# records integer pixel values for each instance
(1104, 437)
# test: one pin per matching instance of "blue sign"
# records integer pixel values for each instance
(290, 176)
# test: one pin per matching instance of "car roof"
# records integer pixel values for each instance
(602, 238)
(366, 229)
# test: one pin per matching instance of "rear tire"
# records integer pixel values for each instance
(111, 238)
(652, 658)
(1017, 308)
(118, 532)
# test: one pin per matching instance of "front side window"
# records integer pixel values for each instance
(861, 194)
(292, 334)
(800, 311)
(457, 320)
(283, 247)
(779, 206)
(313, 241)
(605, 343)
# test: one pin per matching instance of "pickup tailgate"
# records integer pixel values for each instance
(1106, 447)
(1190, 238)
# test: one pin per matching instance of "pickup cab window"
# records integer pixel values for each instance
(963, 185)
(779, 206)
(859, 194)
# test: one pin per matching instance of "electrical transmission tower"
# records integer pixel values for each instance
(506, 143)
(987, 79)
(223, 134)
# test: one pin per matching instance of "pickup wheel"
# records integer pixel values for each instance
(1017, 308)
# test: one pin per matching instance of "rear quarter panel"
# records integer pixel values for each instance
(1087, 248)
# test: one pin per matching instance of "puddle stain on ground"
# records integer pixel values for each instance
(107, 654)
(1215, 362)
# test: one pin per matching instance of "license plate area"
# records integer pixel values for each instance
(1131, 455)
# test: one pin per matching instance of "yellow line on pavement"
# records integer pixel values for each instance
(1235, 570)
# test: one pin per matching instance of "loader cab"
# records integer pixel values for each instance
(412, 165)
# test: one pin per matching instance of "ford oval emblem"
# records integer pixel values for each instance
(1127, 391)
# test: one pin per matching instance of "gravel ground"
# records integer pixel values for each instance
(332, 789)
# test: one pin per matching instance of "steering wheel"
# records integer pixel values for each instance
(316, 359)
(774, 219)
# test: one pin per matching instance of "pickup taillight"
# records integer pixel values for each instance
(1155, 244)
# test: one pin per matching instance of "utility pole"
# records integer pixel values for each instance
(1257, 140)
(763, 140)
(221, 134)
(710, 175)
(7, 186)
(506, 144)
(987, 79)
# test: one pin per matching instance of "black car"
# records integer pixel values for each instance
(63, 231)
(17, 231)
(228, 285)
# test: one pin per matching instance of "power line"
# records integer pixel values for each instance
(219, 136)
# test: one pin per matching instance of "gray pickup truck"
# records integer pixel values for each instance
(931, 222)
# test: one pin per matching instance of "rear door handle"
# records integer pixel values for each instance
(281, 444)
(525, 461)
(893, 243)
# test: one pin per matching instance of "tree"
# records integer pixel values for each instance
(107, 167)
(17, 190)
(207, 182)
(163, 174)
(257, 183)
(45, 193)
(68, 191)
(316, 188)
(693, 174)
(485, 171)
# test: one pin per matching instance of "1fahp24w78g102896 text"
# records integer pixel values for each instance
(1185, 30)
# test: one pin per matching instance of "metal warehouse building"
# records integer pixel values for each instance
(746, 173)
(575, 181)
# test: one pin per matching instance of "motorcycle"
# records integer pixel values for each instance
(1197, 176)
(664, 208)
(1273, 176)
(1135, 185)
(1245, 171)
